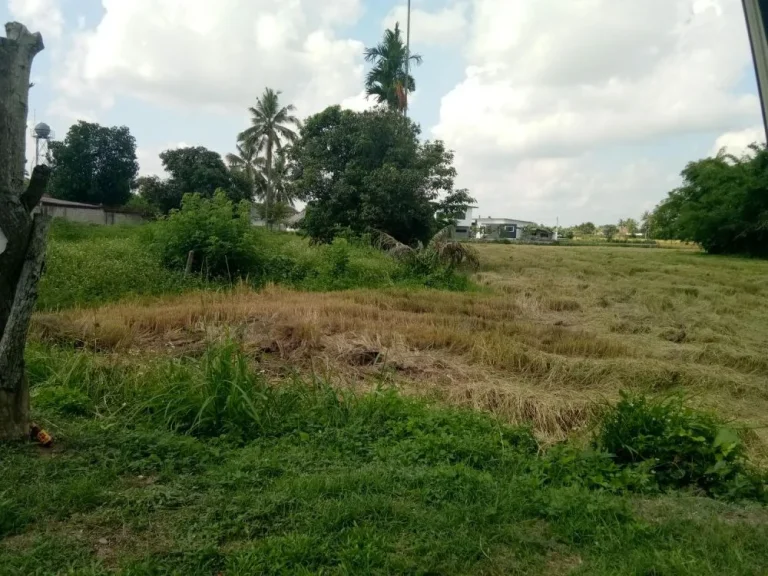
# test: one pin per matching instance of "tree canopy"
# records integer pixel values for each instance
(387, 80)
(94, 164)
(193, 170)
(722, 205)
(369, 171)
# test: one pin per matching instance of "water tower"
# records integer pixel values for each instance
(42, 134)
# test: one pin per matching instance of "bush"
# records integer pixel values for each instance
(684, 447)
(217, 231)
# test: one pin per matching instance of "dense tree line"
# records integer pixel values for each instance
(722, 205)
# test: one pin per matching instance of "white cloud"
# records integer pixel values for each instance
(550, 82)
(149, 158)
(42, 16)
(358, 103)
(216, 55)
(441, 27)
(737, 142)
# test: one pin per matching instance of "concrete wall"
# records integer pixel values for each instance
(90, 215)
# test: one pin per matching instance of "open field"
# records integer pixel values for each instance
(554, 331)
(204, 429)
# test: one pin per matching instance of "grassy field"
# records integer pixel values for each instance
(384, 430)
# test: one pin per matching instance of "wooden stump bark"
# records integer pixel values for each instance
(22, 257)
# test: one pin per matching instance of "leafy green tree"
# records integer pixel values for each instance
(630, 225)
(193, 170)
(722, 205)
(646, 222)
(387, 80)
(272, 126)
(609, 231)
(452, 207)
(94, 164)
(585, 229)
(368, 170)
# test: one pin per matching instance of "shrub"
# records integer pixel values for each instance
(684, 447)
(218, 231)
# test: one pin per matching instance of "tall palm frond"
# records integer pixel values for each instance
(272, 127)
(390, 245)
(387, 80)
(441, 248)
(451, 252)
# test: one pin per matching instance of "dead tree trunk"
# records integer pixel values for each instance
(22, 234)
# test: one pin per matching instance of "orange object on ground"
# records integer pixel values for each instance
(37, 433)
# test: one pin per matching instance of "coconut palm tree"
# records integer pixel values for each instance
(387, 80)
(282, 185)
(248, 162)
(272, 126)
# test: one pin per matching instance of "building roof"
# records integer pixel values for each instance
(50, 201)
(505, 221)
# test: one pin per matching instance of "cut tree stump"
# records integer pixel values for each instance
(21, 259)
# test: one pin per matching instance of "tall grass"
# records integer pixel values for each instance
(89, 265)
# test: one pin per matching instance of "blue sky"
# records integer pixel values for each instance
(585, 110)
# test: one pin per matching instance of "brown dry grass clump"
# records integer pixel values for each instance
(555, 331)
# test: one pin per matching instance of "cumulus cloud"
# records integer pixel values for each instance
(439, 27)
(737, 142)
(358, 103)
(42, 16)
(551, 84)
(149, 158)
(216, 55)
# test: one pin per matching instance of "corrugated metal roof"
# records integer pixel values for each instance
(50, 201)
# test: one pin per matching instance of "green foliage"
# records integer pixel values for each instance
(193, 170)
(630, 224)
(369, 171)
(217, 231)
(683, 447)
(64, 401)
(610, 231)
(722, 205)
(314, 480)
(89, 264)
(585, 229)
(452, 208)
(387, 81)
(94, 164)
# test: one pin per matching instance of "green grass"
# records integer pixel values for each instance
(89, 265)
(197, 466)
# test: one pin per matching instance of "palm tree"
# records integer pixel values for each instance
(248, 162)
(282, 189)
(387, 80)
(270, 128)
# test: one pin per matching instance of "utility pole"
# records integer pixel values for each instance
(407, 57)
(756, 15)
